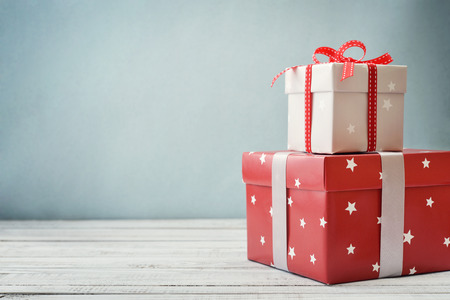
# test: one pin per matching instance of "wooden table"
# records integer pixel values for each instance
(177, 259)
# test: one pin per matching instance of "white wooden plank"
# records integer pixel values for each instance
(122, 234)
(44, 249)
(190, 277)
(231, 291)
(228, 296)
(124, 224)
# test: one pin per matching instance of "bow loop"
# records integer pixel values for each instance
(348, 45)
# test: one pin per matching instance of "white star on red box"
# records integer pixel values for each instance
(407, 237)
(351, 207)
(351, 164)
(262, 158)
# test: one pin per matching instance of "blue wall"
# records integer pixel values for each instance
(141, 109)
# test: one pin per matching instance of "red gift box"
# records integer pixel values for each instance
(333, 209)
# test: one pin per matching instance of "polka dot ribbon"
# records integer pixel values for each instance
(337, 56)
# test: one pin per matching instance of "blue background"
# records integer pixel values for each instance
(141, 109)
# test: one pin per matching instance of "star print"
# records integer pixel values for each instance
(323, 222)
(381, 175)
(430, 202)
(271, 211)
(290, 201)
(379, 220)
(387, 104)
(351, 249)
(351, 128)
(297, 182)
(262, 240)
(313, 259)
(302, 223)
(376, 267)
(447, 241)
(250, 153)
(291, 252)
(351, 207)
(391, 86)
(262, 158)
(407, 237)
(351, 164)
(253, 199)
(412, 271)
(426, 163)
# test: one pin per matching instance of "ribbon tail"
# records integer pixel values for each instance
(281, 73)
(348, 70)
(384, 59)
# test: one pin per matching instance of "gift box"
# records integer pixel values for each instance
(349, 217)
(345, 105)
(340, 108)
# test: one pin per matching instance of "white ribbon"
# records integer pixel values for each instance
(279, 220)
(392, 214)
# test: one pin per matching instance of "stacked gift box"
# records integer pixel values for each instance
(346, 202)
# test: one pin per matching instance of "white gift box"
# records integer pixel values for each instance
(339, 108)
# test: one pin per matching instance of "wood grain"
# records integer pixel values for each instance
(165, 259)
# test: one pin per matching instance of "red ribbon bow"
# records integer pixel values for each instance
(349, 62)
(338, 57)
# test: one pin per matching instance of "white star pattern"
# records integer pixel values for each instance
(351, 128)
(376, 267)
(351, 249)
(391, 86)
(253, 199)
(250, 153)
(313, 259)
(426, 163)
(297, 182)
(271, 211)
(430, 202)
(323, 222)
(447, 241)
(351, 164)
(407, 237)
(290, 201)
(381, 175)
(351, 207)
(291, 252)
(262, 240)
(387, 104)
(262, 158)
(412, 271)
(379, 220)
(302, 223)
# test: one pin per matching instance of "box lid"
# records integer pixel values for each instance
(341, 172)
(327, 78)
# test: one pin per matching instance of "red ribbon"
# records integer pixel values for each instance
(349, 65)
(337, 56)
(349, 62)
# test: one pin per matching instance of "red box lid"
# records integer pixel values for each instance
(339, 172)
